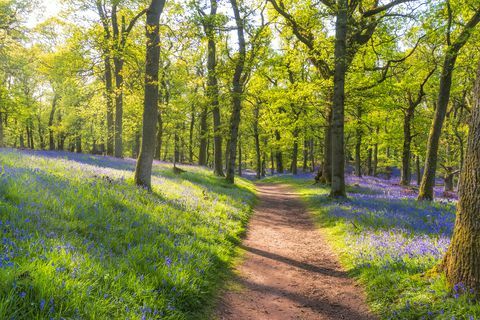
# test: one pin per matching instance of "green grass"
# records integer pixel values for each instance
(80, 241)
(403, 287)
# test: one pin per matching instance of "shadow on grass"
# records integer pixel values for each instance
(107, 227)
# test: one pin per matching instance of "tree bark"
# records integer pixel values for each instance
(369, 161)
(293, 166)
(256, 137)
(358, 150)
(419, 171)
(237, 93)
(462, 260)
(202, 152)
(375, 154)
(190, 136)
(158, 148)
(118, 62)
(312, 155)
(338, 105)
(2, 138)
(305, 154)
(239, 156)
(51, 139)
(278, 154)
(327, 149)
(212, 89)
(143, 171)
(407, 140)
(108, 97)
(428, 179)
(78, 143)
(272, 163)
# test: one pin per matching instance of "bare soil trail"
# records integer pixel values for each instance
(289, 271)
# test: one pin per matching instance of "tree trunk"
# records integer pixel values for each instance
(143, 170)
(2, 139)
(190, 136)
(136, 144)
(375, 155)
(407, 140)
(293, 166)
(239, 156)
(118, 62)
(212, 89)
(202, 153)
(327, 149)
(40, 131)
(51, 139)
(256, 137)
(237, 92)
(305, 155)
(108, 97)
(158, 147)
(278, 154)
(448, 178)
(272, 163)
(462, 261)
(312, 155)
(358, 150)
(78, 143)
(176, 148)
(27, 129)
(22, 141)
(369, 162)
(451, 54)
(338, 105)
(419, 171)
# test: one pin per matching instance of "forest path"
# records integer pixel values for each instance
(289, 271)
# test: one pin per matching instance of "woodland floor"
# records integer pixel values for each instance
(289, 271)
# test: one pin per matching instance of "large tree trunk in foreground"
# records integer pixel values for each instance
(428, 179)
(462, 261)
(338, 103)
(143, 171)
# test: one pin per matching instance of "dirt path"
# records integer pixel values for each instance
(289, 272)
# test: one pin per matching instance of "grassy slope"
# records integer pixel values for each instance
(400, 288)
(79, 241)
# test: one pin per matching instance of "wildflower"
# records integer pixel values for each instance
(23, 294)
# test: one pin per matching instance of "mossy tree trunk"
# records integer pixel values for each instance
(451, 54)
(338, 102)
(143, 171)
(462, 261)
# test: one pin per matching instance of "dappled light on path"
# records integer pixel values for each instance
(289, 272)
